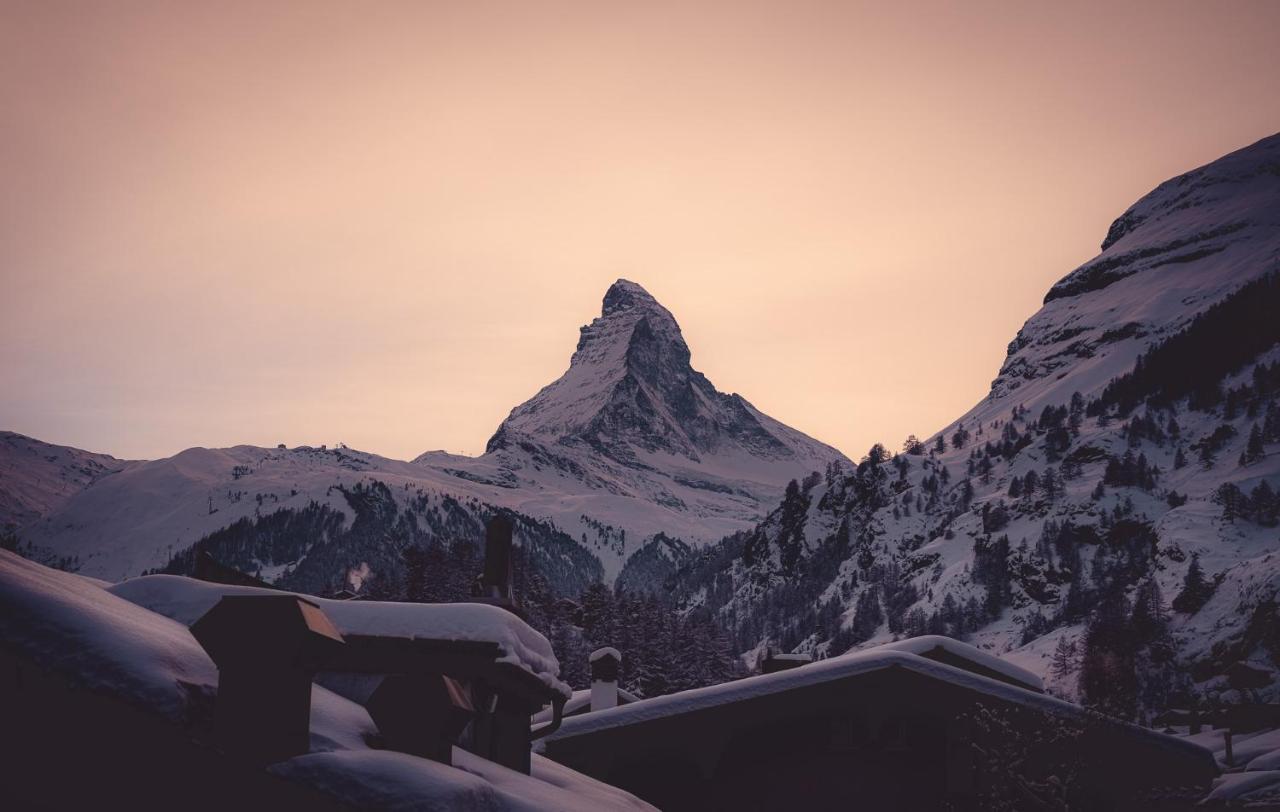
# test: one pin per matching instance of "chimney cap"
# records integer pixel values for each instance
(273, 628)
(601, 653)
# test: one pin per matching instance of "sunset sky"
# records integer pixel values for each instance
(383, 223)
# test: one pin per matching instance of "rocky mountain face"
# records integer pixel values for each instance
(1107, 516)
(630, 444)
(630, 389)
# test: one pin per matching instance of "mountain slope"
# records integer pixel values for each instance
(1132, 430)
(36, 478)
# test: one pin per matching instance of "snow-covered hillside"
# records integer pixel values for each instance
(37, 478)
(1085, 477)
(630, 443)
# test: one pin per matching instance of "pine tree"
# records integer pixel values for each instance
(1065, 658)
(1196, 591)
(1253, 451)
(1015, 487)
(1229, 496)
(1049, 484)
(1108, 673)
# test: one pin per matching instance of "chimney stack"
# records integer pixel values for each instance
(268, 649)
(496, 581)
(605, 663)
(773, 663)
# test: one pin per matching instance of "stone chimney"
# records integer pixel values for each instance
(605, 663)
(493, 585)
(268, 649)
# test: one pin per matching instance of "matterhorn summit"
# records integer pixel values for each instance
(633, 438)
(630, 388)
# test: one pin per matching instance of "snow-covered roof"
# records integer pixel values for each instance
(186, 600)
(1255, 759)
(927, 644)
(116, 647)
(835, 668)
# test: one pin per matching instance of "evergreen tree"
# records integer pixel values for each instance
(1065, 658)
(1253, 451)
(1108, 672)
(1015, 487)
(1231, 499)
(1196, 591)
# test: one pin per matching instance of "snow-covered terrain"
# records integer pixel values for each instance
(631, 442)
(37, 478)
(1012, 524)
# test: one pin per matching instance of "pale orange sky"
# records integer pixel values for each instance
(383, 223)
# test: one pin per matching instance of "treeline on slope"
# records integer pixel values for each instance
(430, 549)
(1192, 363)
(320, 547)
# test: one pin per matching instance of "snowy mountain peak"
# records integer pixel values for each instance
(1189, 243)
(632, 441)
(626, 295)
(630, 388)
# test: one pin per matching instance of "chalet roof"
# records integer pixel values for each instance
(837, 668)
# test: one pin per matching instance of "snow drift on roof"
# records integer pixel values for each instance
(186, 600)
(926, 643)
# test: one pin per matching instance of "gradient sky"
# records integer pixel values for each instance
(383, 223)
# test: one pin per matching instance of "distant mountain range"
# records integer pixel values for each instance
(1126, 456)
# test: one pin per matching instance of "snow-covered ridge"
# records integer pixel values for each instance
(1189, 243)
